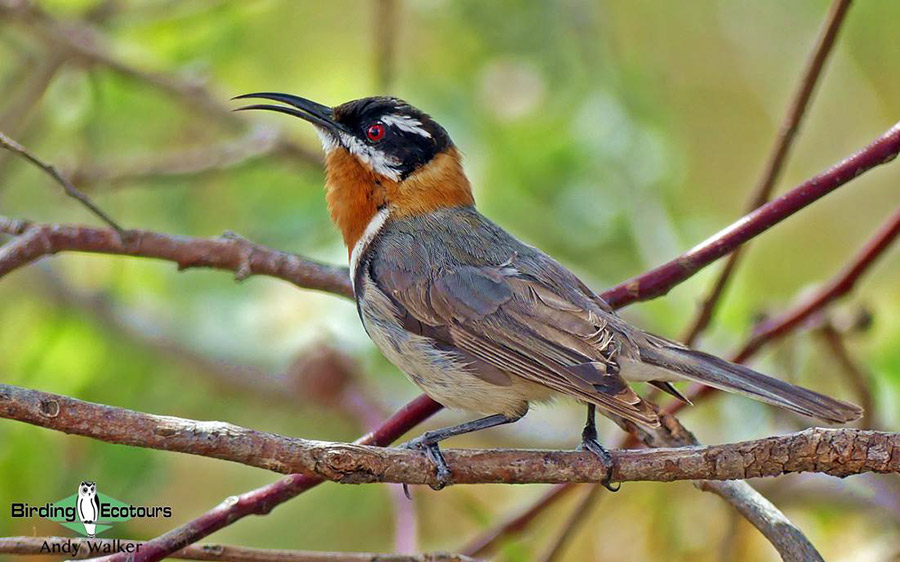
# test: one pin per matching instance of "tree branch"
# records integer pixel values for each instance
(227, 253)
(660, 280)
(836, 452)
(778, 155)
(838, 287)
(34, 545)
(262, 500)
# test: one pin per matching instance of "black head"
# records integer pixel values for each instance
(389, 136)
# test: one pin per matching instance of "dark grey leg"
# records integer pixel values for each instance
(428, 443)
(589, 442)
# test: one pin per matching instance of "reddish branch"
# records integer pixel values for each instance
(660, 280)
(837, 452)
(778, 155)
(838, 287)
(225, 553)
(842, 284)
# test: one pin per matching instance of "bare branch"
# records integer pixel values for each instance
(778, 155)
(660, 280)
(227, 253)
(71, 190)
(224, 553)
(837, 452)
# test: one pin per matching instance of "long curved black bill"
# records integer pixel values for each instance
(320, 115)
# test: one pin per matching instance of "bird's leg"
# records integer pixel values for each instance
(428, 443)
(590, 443)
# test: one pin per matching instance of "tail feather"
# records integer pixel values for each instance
(716, 372)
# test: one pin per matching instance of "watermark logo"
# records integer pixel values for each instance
(89, 513)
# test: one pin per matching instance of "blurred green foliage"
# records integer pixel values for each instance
(612, 134)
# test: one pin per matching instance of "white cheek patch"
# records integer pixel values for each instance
(376, 160)
(329, 143)
(406, 123)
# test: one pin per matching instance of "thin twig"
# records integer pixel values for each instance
(224, 553)
(71, 190)
(778, 155)
(834, 342)
(485, 543)
(837, 452)
(571, 525)
(838, 287)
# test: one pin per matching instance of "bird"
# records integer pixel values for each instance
(88, 507)
(479, 320)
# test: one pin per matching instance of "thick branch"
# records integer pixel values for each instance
(262, 500)
(837, 452)
(38, 545)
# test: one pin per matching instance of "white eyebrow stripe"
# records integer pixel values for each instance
(406, 123)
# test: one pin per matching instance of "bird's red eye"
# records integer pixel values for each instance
(375, 132)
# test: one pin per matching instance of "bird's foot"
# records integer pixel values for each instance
(592, 445)
(433, 452)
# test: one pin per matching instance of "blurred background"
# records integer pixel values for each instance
(612, 134)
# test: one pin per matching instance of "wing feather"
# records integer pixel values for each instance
(519, 324)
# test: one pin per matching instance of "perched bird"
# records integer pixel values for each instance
(476, 318)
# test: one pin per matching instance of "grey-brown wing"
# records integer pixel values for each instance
(516, 324)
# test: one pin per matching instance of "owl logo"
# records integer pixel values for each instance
(88, 506)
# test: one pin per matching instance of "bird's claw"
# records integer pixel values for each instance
(433, 452)
(599, 451)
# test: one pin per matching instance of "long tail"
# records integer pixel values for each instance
(716, 372)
